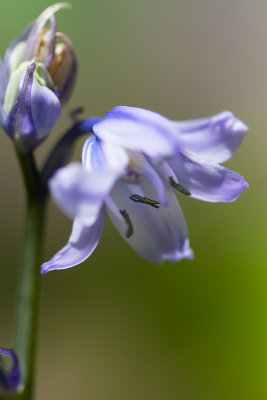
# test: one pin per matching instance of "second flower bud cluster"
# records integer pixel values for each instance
(37, 76)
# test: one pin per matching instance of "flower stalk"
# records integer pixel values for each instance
(27, 303)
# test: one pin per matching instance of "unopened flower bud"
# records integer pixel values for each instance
(30, 104)
(39, 41)
(59, 58)
(63, 68)
(36, 77)
(10, 378)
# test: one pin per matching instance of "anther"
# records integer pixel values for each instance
(178, 187)
(128, 221)
(145, 200)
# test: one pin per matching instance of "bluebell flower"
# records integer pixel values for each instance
(132, 167)
(36, 77)
(10, 378)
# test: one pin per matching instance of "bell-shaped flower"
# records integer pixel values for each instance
(37, 76)
(132, 167)
(10, 377)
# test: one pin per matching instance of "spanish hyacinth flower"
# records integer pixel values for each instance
(36, 77)
(9, 376)
(132, 166)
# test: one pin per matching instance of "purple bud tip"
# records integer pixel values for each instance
(10, 378)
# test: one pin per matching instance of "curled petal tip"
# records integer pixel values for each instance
(44, 269)
(48, 12)
(178, 256)
(63, 5)
(240, 126)
(187, 251)
(189, 255)
(237, 188)
(231, 122)
(243, 186)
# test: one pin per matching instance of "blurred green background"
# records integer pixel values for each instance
(118, 327)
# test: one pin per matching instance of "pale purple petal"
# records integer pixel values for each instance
(81, 244)
(20, 118)
(80, 193)
(158, 233)
(211, 140)
(45, 109)
(139, 130)
(207, 182)
(99, 156)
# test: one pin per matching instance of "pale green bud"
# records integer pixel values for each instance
(17, 56)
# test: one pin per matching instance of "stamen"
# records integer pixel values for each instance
(178, 187)
(75, 114)
(128, 221)
(145, 200)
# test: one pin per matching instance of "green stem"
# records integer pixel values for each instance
(26, 318)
